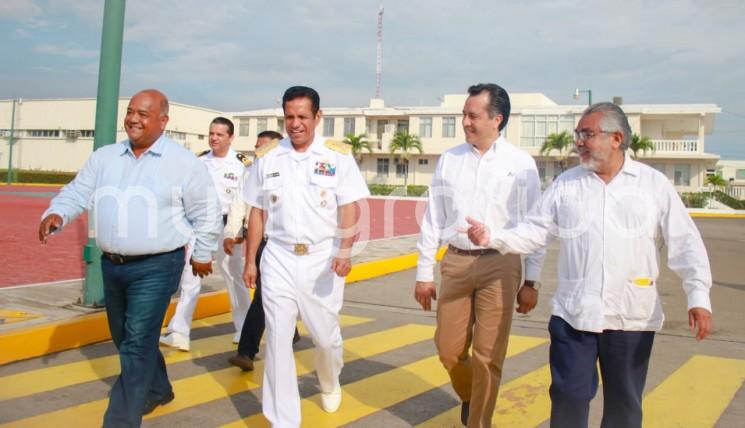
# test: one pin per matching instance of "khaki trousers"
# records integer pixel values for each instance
(476, 300)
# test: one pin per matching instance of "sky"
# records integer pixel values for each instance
(236, 55)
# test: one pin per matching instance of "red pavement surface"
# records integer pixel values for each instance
(24, 260)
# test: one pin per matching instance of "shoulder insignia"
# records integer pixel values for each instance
(245, 160)
(338, 146)
(204, 153)
(263, 150)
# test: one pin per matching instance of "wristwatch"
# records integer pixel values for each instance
(535, 285)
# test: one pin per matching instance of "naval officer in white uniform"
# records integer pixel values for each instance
(303, 192)
(227, 169)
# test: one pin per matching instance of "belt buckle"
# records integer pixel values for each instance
(301, 249)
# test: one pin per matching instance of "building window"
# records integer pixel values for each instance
(383, 165)
(280, 125)
(200, 136)
(401, 167)
(423, 161)
(535, 128)
(87, 133)
(448, 127)
(243, 125)
(260, 125)
(402, 126)
(740, 174)
(328, 127)
(176, 135)
(43, 133)
(425, 127)
(682, 175)
(349, 126)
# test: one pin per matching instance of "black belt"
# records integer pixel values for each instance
(479, 252)
(119, 259)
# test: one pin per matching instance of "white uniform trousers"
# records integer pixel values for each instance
(305, 285)
(231, 269)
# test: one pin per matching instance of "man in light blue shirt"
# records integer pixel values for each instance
(148, 195)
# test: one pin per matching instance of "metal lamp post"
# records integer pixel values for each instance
(581, 91)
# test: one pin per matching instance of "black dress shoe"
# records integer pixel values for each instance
(244, 362)
(296, 338)
(150, 405)
(464, 409)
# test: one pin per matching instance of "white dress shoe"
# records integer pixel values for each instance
(330, 401)
(175, 340)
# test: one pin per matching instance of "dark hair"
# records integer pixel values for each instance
(303, 92)
(274, 135)
(499, 101)
(224, 121)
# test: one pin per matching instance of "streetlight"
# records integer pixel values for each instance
(580, 91)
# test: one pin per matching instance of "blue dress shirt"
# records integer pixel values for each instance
(148, 205)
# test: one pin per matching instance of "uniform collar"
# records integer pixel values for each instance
(630, 166)
(229, 155)
(492, 150)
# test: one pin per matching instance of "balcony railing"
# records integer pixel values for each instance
(676, 146)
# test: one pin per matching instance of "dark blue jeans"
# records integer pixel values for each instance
(137, 295)
(623, 357)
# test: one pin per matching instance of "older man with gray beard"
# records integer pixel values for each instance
(607, 214)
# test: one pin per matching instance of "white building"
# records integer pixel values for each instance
(677, 131)
(56, 134)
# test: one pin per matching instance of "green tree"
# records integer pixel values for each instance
(358, 143)
(716, 180)
(563, 142)
(405, 143)
(640, 144)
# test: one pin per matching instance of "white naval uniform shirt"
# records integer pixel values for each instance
(300, 192)
(227, 173)
(608, 256)
(497, 188)
(238, 209)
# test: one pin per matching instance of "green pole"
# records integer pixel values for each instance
(589, 97)
(10, 142)
(107, 106)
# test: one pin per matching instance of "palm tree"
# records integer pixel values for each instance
(716, 180)
(640, 144)
(562, 142)
(358, 143)
(405, 143)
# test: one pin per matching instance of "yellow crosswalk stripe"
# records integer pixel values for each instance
(696, 394)
(523, 402)
(59, 376)
(219, 384)
(367, 396)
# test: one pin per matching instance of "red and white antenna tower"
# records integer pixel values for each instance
(379, 59)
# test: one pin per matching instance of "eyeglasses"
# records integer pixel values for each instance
(586, 134)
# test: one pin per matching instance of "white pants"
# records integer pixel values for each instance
(307, 286)
(231, 269)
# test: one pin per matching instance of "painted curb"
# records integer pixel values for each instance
(44, 339)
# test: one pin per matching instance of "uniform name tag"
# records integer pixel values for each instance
(325, 168)
(230, 176)
(272, 174)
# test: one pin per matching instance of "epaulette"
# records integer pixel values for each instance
(338, 146)
(245, 160)
(266, 148)
(204, 153)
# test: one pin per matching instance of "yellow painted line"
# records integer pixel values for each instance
(376, 268)
(10, 317)
(47, 379)
(717, 215)
(367, 396)
(522, 402)
(696, 394)
(215, 385)
(36, 184)
(30, 342)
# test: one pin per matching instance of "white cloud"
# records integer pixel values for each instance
(20, 10)
(68, 50)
